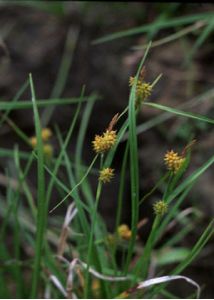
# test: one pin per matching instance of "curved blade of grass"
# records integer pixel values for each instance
(62, 185)
(64, 146)
(41, 213)
(63, 72)
(189, 180)
(81, 136)
(180, 112)
(145, 28)
(76, 186)
(173, 36)
(22, 180)
(44, 103)
(25, 155)
(163, 178)
(207, 234)
(166, 115)
(17, 130)
(79, 203)
(171, 255)
(180, 236)
(13, 102)
(202, 37)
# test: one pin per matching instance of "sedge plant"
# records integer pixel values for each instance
(73, 254)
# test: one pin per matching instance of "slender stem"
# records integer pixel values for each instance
(90, 245)
(143, 264)
(41, 214)
(76, 186)
(154, 188)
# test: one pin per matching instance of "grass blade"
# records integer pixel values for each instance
(180, 112)
(41, 213)
(44, 103)
(145, 28)
(134, 169)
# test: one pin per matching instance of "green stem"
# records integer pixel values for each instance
(143, 264)
(41, 214)
(90, 245)
(76, 186)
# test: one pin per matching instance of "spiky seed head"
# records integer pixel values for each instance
(106, 175)
(131, 80)
(33, 141)
(124, 232)
(104, 142)
(160, 208)
(46, 134)
(145, 90)
(173, 161)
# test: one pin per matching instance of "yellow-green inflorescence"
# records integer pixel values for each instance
(104, 142)
(106, 175)
(47, 147)
(160, 208)
(173, 161)
(46, 135)
(124, 232)
(143, 89)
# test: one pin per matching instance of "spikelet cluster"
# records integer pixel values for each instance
(104, 142)
(33, 141)
(124, 232)
(160, 208)
(46, 134)
(173, 161)
(143, 89)
(106, 175)
(47, 148)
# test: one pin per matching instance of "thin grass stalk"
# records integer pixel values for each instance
(134, 168)
(41, 213)
(90, 244)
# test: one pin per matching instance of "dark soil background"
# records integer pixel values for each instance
(33, 36)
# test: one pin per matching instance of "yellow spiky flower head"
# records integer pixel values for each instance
(104, 142)
(33, 141)
(124, 232)
(160, 208)
(106, 175)
(48, 150)
(143, 89)
(46, 134)
(173, 161)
